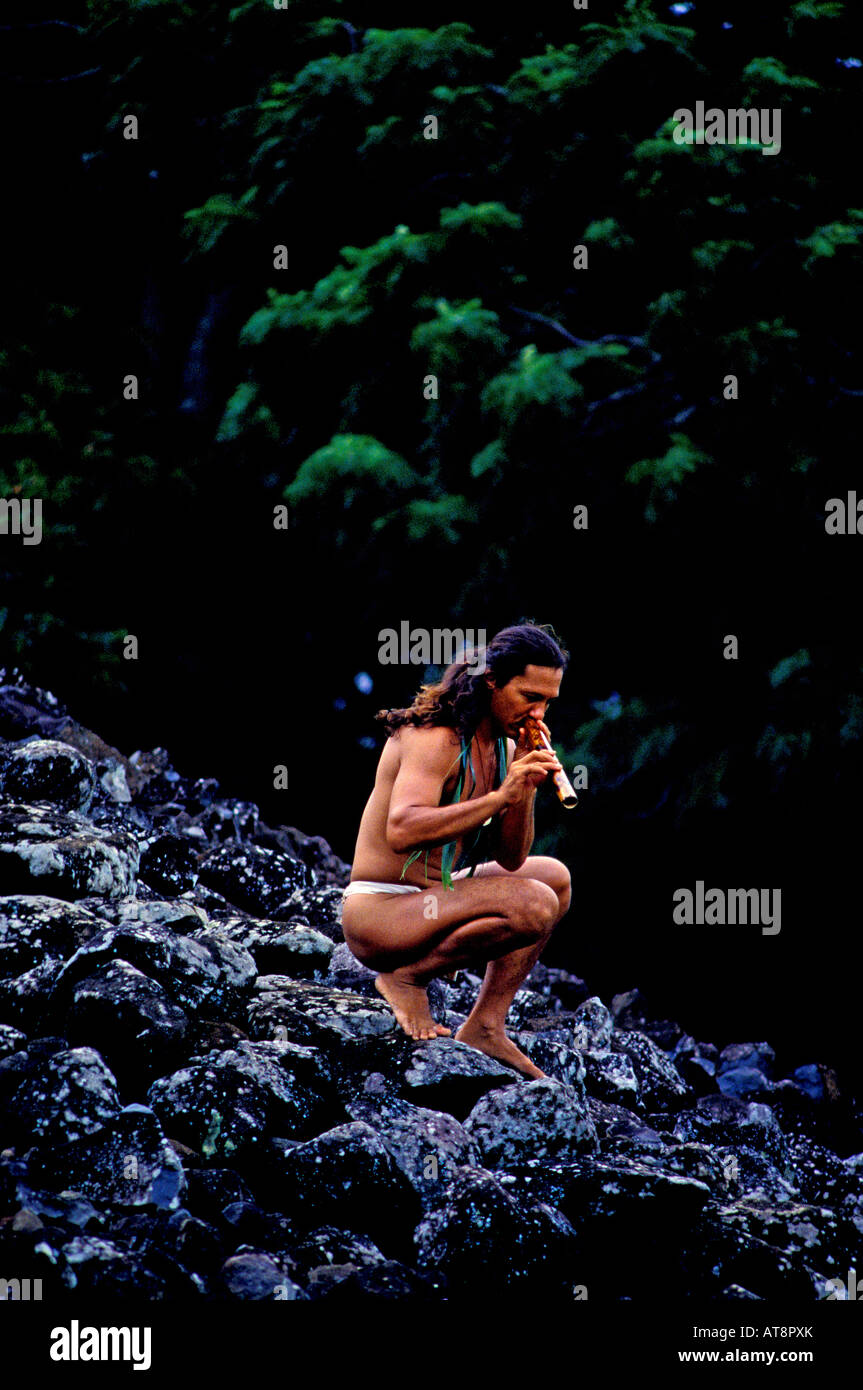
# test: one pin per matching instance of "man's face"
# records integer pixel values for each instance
(527, 694)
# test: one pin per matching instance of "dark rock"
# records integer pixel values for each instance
(25, 709)
(210, 1190)
(346, 1178)
(177, 921)
(212, 902)
(174, 1235)
(759, 1056)
(347, 1284)
(288, 948)
(33, 926)
(156, 782)
(448, 1075)
(592, 1026)
(25, 1001)
(316, 1014)
(811, 1080)
(726, 1120)
(610, 1076)
(559, 1062)
(202, 792)
(328, 1246)
(128, 1162)
(697, 1064)
(821, 1177)
(63, 1208)
(558, 1028)
(320, 907)
(11, 1040)
(226, 1103)
(427, 1146)
(621, 1202)
(48, 771)
(170, 864)
(745, 1082)
(58, 1098)
(540, 1119)
(565, 990)
(209, 971)
(117, 1006)
(346, 972)
(665, 1033)
(660, 1084)
(313, 850)
(250, 1225)
(479, 1239)
(752, 1174)
(723, 1254)
(198, 1246)
(179, 915)
(260, 880)
(229, 820)
(526, 1005)
(255, 1275)
(97, 1267)
(628, 1010)
(61, 853)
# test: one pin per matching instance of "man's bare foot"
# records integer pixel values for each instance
(410, 1005)
(495, 1043)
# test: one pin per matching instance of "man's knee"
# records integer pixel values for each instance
(557, 876)
(536, 908)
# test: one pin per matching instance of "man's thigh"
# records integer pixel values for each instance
(536, 866)
(409, 923)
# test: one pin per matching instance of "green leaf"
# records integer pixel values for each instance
(492, 457)
(772, 72)
(665, 474)
(349, 467)
(787, 666)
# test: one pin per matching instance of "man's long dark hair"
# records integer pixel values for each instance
(462, 696)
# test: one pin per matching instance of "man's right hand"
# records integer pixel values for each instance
(526, 774)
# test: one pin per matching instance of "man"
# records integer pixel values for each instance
(451, 771)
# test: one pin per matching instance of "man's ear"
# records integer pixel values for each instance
(489, 680)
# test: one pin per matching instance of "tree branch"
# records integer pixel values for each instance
(585, 342)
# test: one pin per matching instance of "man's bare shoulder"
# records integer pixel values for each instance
(430, 742)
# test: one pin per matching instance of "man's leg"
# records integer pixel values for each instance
(505, 975)
(480, 920)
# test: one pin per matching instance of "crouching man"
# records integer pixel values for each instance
(442, 872)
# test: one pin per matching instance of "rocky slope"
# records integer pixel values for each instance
(202, 1096)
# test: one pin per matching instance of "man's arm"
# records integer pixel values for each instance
(515, 829)
(515, 824)
(415, 819)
